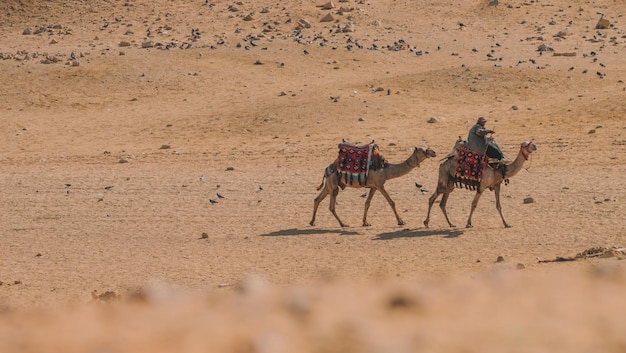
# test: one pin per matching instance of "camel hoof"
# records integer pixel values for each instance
(365, 224)
(401, 223)
(312, 223)
(453, 226)
(508, 226)
(469, 225)
(425, 224)
(343, 225)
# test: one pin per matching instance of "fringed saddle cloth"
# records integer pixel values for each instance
(469, 168)
(355, 161)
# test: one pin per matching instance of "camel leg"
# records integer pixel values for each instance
(474, 203)
(367, 206)
(333, 201)
(442, 205)
(431, 201)
(317, 202)
(392, 204)
(496, 189)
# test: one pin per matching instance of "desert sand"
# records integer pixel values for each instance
(124, 119)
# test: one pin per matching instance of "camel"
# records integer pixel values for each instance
(491, 179)
(375, 181)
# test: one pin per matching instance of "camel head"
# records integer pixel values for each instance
(421, 154)
(526, 148)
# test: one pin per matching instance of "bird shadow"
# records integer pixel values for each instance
(300, 232)
(416, 233)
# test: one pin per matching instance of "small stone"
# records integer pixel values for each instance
(124, 44)
(432, 120)
(528, 200)
(165, 147)
(514, 107)
(204, 236)
(520, 266)
(500, 259)
(230, 168)
(327, 18)
(592, 131)
(123, 161)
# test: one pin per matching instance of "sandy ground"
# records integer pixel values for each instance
(122, 120)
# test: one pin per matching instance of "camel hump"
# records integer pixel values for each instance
(458, 145)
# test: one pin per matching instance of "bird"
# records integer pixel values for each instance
(212, 201)
(219, 196)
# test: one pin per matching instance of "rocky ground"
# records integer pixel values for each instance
(159, 162)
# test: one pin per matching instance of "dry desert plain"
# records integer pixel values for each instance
(123, 119)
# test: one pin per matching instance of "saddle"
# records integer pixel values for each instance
(355, 161)
(469, 167)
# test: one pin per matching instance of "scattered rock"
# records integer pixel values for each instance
(327, 6)
(500, 259)
(304, 23)
(165, 147)
(327, 18)
(124, 44)
(432, 120)
(204, 236)
(603, 23)
(230, 168)
(105, 297)
(520, 266)
(528, 200)
(544, 47)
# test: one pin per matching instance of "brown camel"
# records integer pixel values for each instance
(375, 181)
(491, 179)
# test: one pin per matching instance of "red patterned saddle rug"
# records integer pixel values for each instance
(355, 161)
(469, 168)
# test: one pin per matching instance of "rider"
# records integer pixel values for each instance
(477, 140)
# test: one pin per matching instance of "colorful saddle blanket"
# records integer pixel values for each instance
(469, 168)
(354, 162)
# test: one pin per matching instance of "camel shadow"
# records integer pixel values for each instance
(416, 233)
(299, 232)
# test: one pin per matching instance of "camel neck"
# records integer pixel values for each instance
(517, 164)
(398, 170)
